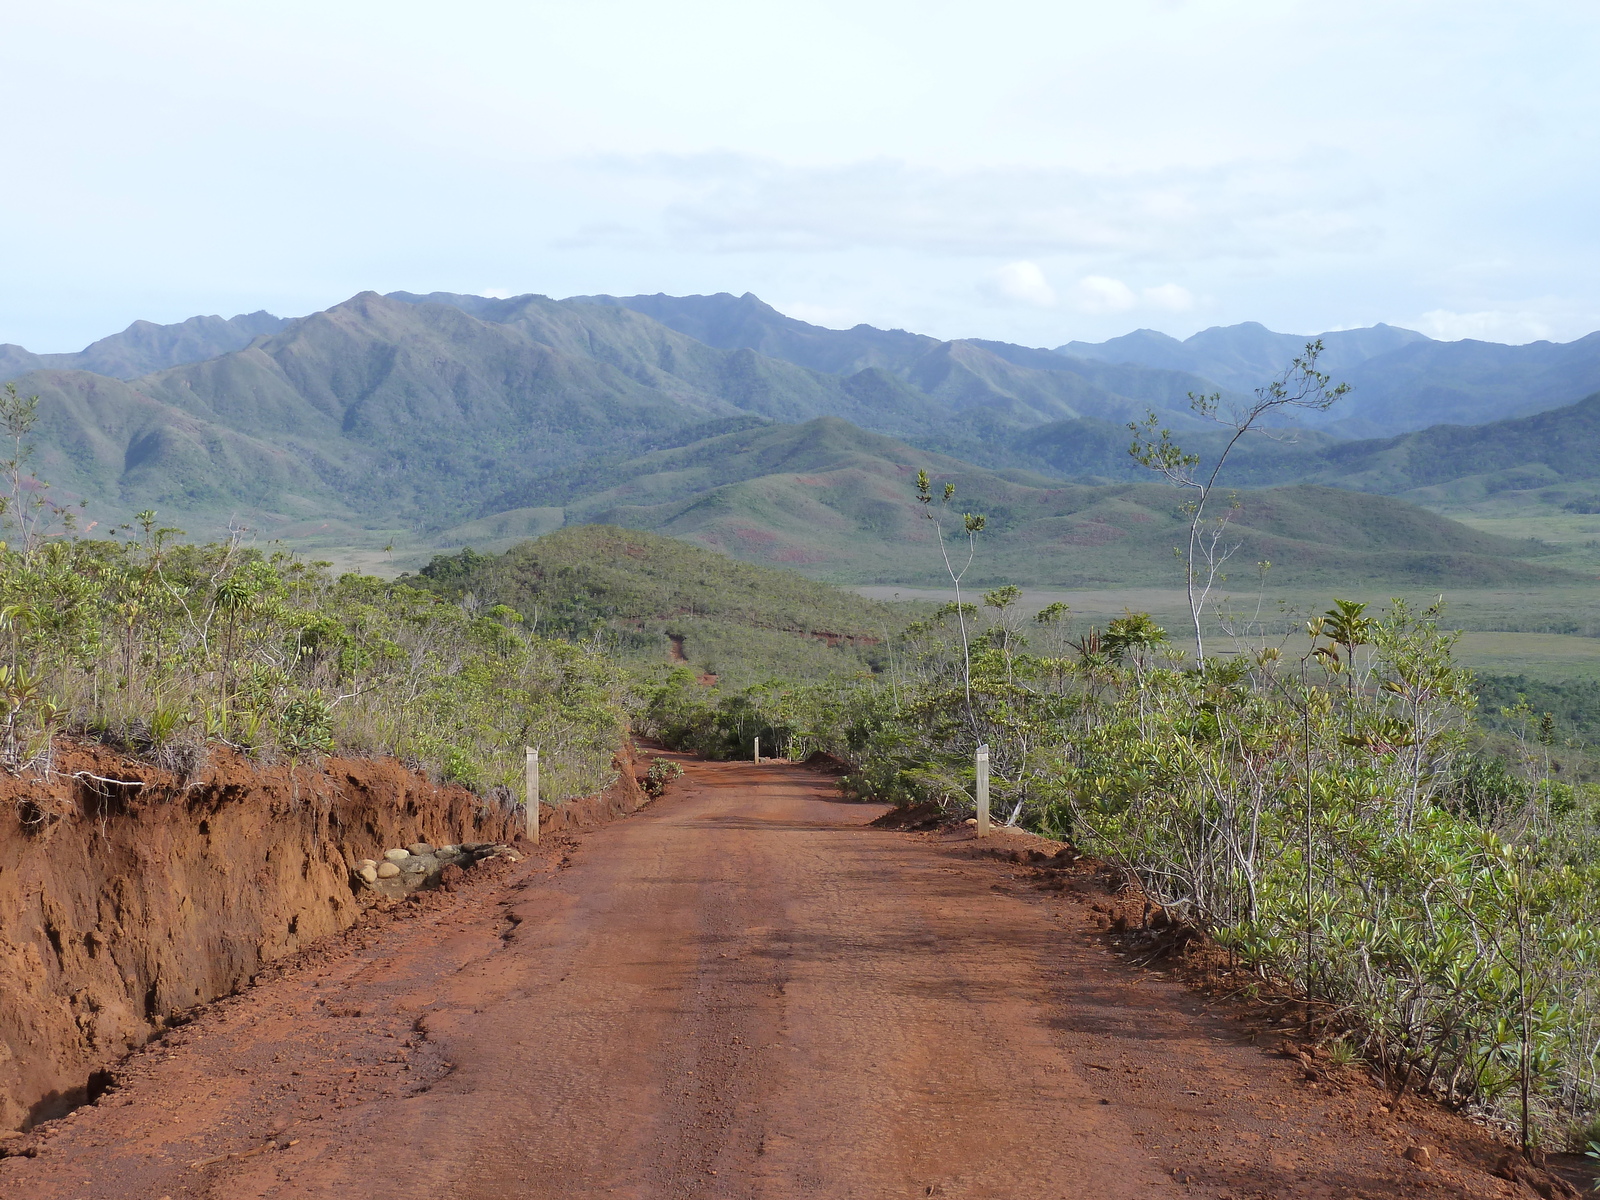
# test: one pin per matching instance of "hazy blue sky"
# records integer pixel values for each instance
(1029, 171)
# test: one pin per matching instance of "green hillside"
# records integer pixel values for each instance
(1556, 448)
(1556, 451)
(1559, 448)
(836, 502)
(376, 411)
(1400, 379)
(1011, 386)
(664, 600)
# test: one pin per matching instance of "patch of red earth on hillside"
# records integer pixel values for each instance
(1093, 533)
(796, 555)
(849, 639)
(772, 547)
(677, 654)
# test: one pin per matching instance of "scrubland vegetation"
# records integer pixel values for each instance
(166, 649)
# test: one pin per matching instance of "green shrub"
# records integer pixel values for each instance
(162, 647)
(662, 772)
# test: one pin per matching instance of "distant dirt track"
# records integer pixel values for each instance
(739, 992)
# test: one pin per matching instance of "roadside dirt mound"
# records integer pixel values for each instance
(130, 894)
(830, 764)
(927, 815)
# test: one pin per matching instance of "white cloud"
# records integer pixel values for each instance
(1102, 294)
(1257, 209)
(1169, 297)
(1512, 327)
(1025, 281)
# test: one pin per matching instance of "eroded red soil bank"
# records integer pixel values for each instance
(124, 904)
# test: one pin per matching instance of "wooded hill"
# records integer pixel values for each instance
(836, 502)
(144, 347)
(659, 600)
(1554, 454)
(382, 410)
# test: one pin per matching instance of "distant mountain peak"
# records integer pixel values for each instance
(145, 346)
(1246, 355)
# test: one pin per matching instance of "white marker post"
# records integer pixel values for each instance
(532, 784)
(983, 790)
(758, 752)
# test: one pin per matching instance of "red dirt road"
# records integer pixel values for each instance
(739, 992)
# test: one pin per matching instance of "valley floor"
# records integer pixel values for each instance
(1548, 633)
(741, 991)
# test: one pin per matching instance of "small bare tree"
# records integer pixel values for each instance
(1301, 386)
(24, 502)
(973, 524)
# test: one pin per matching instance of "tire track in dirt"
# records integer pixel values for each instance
(739, 992)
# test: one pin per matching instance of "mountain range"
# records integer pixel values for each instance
(457, 418)
(144, 347)
(1400, 380)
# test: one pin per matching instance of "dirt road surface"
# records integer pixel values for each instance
(741, 991)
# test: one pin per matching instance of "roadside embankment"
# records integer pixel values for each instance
(130, 894)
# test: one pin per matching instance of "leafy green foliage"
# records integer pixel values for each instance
(165, 648)
(662, 772)
(1575, 704)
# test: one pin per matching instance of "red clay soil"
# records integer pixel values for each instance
(741, 991)
(129, 894)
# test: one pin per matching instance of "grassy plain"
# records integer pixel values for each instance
(1575, 537)
(1545, 633)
